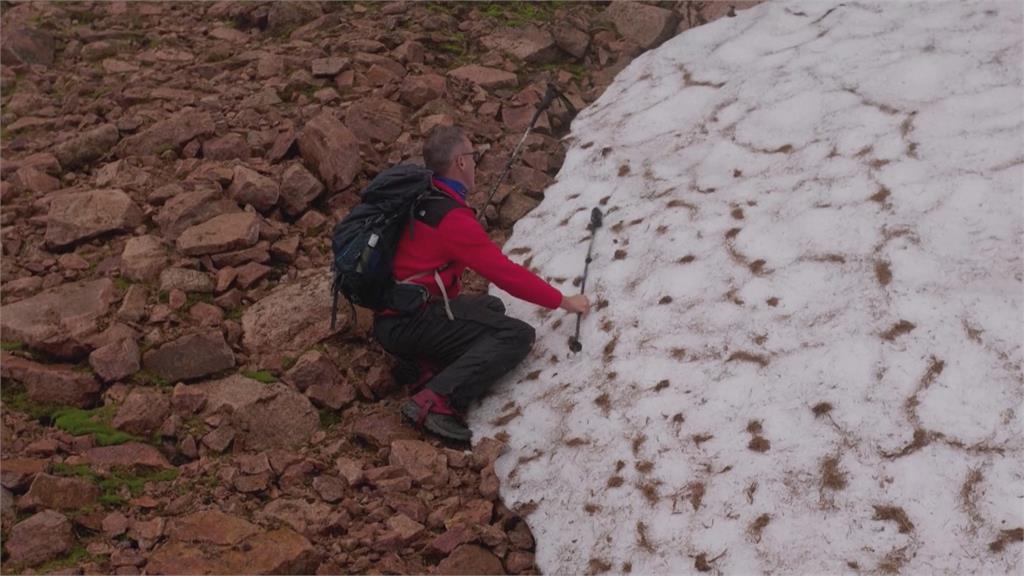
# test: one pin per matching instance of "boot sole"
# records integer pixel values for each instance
(412, 413)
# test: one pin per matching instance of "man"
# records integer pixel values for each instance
(468, 340)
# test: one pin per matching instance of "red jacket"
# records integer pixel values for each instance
(461, 241)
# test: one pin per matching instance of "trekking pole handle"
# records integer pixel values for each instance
(596, 221)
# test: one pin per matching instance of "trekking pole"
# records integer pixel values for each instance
(596, 219)
(549, 95)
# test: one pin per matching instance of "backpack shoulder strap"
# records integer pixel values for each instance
(433, 207)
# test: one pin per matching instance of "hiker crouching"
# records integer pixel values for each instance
(461, 344)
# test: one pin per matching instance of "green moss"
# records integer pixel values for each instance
(12, 346)
(288, 362)
(113, 484)
(260, 376)
(80, 471)
(78, 555)
(78, 422)
(517, 14)
(122, 284)
(16, 398)
(235, 313)
(575, 68)
(148, 378)
(135, 483)
(329, 417)
(193, 298)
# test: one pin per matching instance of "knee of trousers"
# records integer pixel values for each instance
(522, 336)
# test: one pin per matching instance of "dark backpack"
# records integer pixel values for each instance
(365, 241)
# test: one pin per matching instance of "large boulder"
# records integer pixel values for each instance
(250, 187)
(54, 384)
(645, 25)
(192, 207)
(44, 536)
(266, 415)
(87, 147)
(169, 134)
(83, 215)
(293, 317)
(58, 321)
(222, 233)
(331, 150)
(190, 357)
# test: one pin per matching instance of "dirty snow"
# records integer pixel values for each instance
(809, 360)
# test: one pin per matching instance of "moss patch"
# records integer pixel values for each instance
(260, 376)
(518, 14)
(78, 555)
(329, 417)
(113, 484)
(12, 346)
(78, 422)
(147, 378)
(16, 398)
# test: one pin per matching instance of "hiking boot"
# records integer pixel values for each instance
(428, 409)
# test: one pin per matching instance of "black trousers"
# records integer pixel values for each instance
(476, 348)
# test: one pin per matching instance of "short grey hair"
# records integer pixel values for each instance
(439, 149)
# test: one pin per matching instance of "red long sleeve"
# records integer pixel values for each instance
(465, 242)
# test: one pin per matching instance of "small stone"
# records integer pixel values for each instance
(190, 357)
(251, 187)
(250, 274)
(519, 561)
(330, 66)
(142, 412)
(487, 78)
(470, 559)
(220, 234)
(228, 147)
(330, 488)
(298, 189)
(185, 280)
(115, 524)
(143, 258)
(115, 361)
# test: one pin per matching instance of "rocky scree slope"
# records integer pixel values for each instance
(173, 400)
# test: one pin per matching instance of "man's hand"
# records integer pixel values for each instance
(578, 304)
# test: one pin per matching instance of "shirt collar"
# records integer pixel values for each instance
(454, 185)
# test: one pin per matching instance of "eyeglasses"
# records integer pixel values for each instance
(475, 154)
